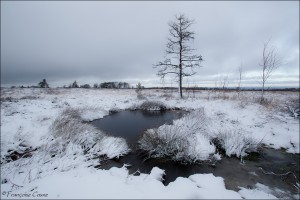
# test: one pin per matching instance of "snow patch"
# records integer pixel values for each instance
(259, 192)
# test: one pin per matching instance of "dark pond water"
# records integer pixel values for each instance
(131, 124)
(257, 168)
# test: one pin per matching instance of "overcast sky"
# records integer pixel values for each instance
(95, 41)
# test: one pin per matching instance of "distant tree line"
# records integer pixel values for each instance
(112, 85)
(115, 85)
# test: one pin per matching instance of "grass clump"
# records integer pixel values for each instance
(150, 106)
(69, 132)
(185, 141)
(236, 143)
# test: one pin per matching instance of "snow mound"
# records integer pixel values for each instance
(117, 183)
(259, 192)
(208, 184)
(157, 174)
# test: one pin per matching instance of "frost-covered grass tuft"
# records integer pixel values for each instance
(153, 105)
(69, 131)
(190, 140)
(185, 141)
(166, 141)
(235, 142)
(150, 105)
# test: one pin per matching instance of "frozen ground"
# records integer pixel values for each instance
(27, 115)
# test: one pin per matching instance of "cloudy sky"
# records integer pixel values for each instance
(96, 41)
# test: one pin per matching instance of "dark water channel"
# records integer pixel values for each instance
(270, 167)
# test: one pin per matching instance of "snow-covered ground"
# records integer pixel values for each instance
(27, 116)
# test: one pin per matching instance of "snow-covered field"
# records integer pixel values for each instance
(43, 156)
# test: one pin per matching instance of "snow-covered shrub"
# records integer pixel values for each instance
(139, 95)
(266, 102)
(243, 101)
(166, 141)
(149, 106)
(292, 106)
(29, 97)
(185, 141)
(19, 152)
(167, 95)
(236, 142)
(114, 109)
(69, 131)
(195, 121)
(138, 91)
(111, 147)
(152, 105)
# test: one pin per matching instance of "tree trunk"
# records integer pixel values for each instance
(180, 81)
(262, 92)
(180, 63)
(263, 84)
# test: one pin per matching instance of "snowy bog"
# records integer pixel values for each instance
(49, 148)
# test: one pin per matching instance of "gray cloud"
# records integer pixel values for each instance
(102, 41)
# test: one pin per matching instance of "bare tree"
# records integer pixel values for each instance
(224, 82)
(270, 62)
(182, 61)
(240, 79)
(43, 84)
(74, 85)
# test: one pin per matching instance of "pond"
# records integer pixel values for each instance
(131, 124)
(274, 168)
